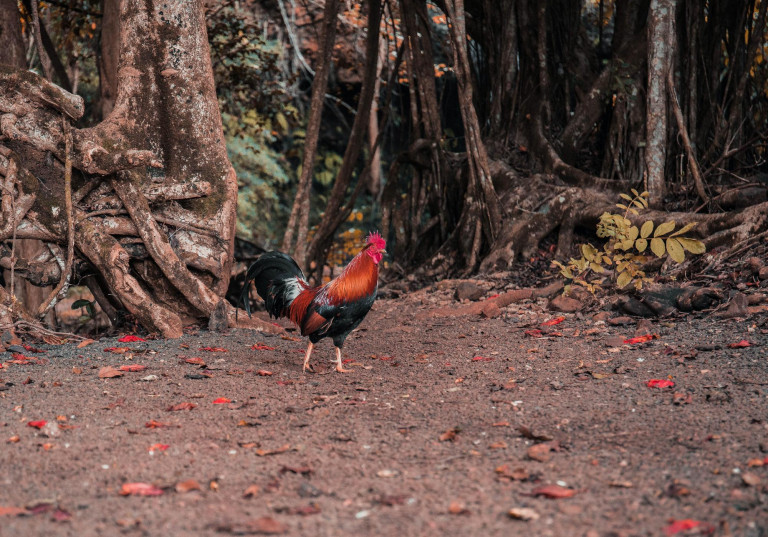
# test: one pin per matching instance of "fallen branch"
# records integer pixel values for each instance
(501, 301)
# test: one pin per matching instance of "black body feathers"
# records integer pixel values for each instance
(273, 274)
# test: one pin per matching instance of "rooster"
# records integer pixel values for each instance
(332, 310)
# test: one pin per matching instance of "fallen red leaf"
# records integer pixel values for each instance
(9, 510)
(347, 360)
(533, 333)
(30, 348)
(140, 489)
(261, 347)
(457, 508)
(305, 510)
(482, 359)
(553, 322)
(20, 359)
(132, 368)
(130, 339)
(187, 486)
(285, 382)
(518, 474)
(61, 515)
(117, 350)
(181, 406)
(660, 383)
(677, 526)
(264, 373)
(742, 343)
(213, 349)
(221, 401)
(553, 492)
(303, 470)
(37, 424)
(450, 435)
(196, 361)
(154, 424)
(640, 339)
(158, 447)
(265, 452)
(109, 372)
(263, 525)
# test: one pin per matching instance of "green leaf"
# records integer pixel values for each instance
(692, 245)
(638, 203)
(657, 247)
(633, 233)
(621, 206)
(641, 245)
(596, 268)
(623, 279)
(588, 251)
(627, 244)
(282, 121)
(625, 197)
(634, 192)
(82, 303)
(645, 231)
(664, 228)
(686, 227)
(675, 250)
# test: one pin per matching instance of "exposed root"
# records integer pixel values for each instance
(193, 290)
(501, 301)
(113, 262)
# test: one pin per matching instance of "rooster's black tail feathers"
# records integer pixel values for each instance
(274, 274)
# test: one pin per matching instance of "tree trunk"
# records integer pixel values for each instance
(660, 55)
(333, 215)
(300, 211)
(154, 209)
(12, 52)
(482, 213)
(108, 55)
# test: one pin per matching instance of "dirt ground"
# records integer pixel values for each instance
(444, 426)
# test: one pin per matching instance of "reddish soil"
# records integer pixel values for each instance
(437, 431)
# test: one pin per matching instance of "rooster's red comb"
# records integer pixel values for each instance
(375, 239)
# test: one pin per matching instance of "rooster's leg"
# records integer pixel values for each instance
(306, 358)
(339, 367)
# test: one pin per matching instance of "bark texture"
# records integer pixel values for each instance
(153, 192)
(660, 34)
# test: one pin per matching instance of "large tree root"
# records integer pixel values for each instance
(106, 254)
(161, 245)
(539, 206)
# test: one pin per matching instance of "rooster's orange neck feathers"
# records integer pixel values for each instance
(357, 280)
